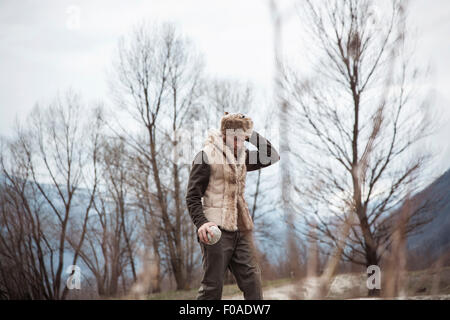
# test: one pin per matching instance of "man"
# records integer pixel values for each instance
(215, 197)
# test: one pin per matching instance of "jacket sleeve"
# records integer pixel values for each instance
(265, 156)
(197, 184)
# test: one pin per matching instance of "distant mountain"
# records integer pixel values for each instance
(433, 240)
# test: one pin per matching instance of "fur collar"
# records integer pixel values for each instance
(215, 139)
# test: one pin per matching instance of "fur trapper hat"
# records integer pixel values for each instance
(236, 121)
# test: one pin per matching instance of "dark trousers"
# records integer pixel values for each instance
(235, 250)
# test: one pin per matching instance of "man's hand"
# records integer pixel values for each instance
(204, 230)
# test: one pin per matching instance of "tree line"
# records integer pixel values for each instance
(104, 186)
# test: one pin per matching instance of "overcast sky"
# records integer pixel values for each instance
(43, 49)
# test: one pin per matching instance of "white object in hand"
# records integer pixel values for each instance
(216, 235)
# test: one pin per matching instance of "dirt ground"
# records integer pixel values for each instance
(421, 285)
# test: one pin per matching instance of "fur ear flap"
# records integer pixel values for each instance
(226, 113)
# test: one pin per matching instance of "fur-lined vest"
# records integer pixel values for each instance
(223, 201)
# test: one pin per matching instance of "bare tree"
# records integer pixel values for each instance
(21, 269)
(111, 238)
(50, 176)
(220, 96)
(145, 202)
(155, 83)
(358, 126)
